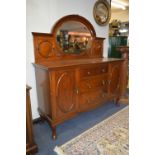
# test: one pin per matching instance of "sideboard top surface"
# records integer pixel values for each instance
(75, 62)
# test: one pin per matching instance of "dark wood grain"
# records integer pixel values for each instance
(70, 84)
(31, 147)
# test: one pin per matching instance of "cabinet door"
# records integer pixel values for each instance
(65, 93)
(114, 78)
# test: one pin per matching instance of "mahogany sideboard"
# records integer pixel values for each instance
(71, 74)
(31, 147)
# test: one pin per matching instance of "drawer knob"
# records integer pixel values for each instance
(109, 82)
(103, 70)
(103, 82)
(88, 73)
(118, 86)
(103, 95)
(77, 91)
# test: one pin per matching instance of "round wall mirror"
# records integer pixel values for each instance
(73, 34)
(102, 12)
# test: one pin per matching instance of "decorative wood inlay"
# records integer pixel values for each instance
(97, 47)
(58, 83)
(45, 49)
(65, 98)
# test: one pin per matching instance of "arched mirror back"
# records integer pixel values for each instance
(72, 37)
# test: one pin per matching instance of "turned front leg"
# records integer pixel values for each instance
(116, 101)
(54, 135)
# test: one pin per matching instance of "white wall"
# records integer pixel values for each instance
(41, 15)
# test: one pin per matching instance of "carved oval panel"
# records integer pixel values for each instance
(114, 81)
(65, 92)
(45, 49)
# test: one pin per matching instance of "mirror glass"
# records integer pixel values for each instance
(73, 37)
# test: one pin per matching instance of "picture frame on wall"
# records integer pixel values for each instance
(102, 12)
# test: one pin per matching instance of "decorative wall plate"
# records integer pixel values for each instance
(102, 12)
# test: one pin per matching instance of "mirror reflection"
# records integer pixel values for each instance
(73, 37)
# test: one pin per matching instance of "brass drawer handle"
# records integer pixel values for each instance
(103, 82)
(76, 91)
(104, 95)
(118, 86)
(109, 82)
(103, 70)
(88, 73)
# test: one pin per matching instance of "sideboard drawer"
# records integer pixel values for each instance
(94, 70)
(93, 83)
(92, 98)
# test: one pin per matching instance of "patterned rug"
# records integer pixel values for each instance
(109, 137)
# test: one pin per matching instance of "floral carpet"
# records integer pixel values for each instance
(109, 137)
